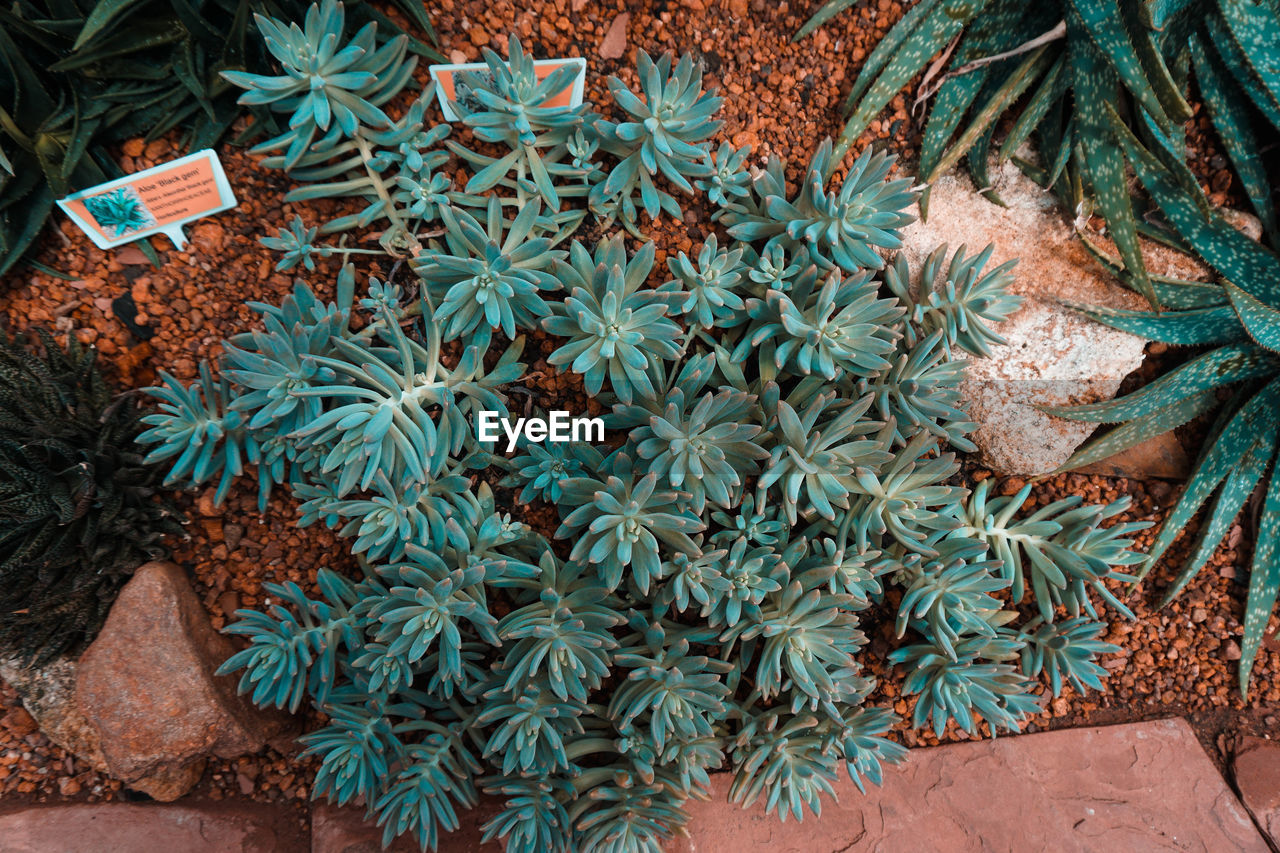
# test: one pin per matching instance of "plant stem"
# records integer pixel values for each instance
(393, 215)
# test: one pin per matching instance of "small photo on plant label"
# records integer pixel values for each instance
(119, 211)
(452, 85)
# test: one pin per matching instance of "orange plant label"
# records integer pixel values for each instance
(159, 200)
(447, 84)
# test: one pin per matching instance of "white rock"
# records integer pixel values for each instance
(1054, 356)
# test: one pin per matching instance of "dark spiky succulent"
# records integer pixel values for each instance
(78, 511)
(1102, 89)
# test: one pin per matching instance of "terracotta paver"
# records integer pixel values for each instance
(1134, 787)
(1257, 773)
(343, 830)
(130, 828)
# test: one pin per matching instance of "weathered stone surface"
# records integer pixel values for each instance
(1054, 356)
(614, 43)
(147, 685)
(344, 830)
(168, 782)
(1135, 787)
(126, 828)
(131, 255)
(49, 694)
(1257, 772)
(1162, 457)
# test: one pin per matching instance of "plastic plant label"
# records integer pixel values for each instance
(159, 200)
(447, 86)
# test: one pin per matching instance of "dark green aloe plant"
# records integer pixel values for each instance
(78, 511)
(1238, 324)
(1057, 67)
(78, 77)
(782, 405)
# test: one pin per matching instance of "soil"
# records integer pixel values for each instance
(782, 98)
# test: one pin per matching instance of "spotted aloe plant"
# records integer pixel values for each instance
(1238, 324)
(1058, 68)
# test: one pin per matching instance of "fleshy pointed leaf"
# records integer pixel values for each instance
(1260, 320)
(1095, 86)
(1228, 449)
(1251, 266)
(935, 28)
(1139, 430)
(1235, 128)
(1202, 326)
(1240, 483)
(1218, 367)
(825, 12)
(1264, 582)
(1104, 23)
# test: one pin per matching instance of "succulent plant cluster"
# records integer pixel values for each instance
(341, 144)
(1078, 76)
(780, 406)
(82, 76)
(78, 507)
